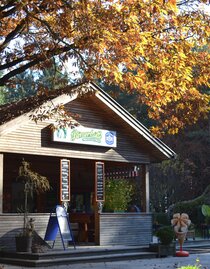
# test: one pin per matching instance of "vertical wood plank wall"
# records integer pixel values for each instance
(125, 229)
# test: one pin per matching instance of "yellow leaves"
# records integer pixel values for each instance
(118, 76)
(182, 55)
(156, 44)
(118, 7)
(149, 65)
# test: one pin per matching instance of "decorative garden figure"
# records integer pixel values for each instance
(181, 223)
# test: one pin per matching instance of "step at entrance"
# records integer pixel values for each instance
(80, 255)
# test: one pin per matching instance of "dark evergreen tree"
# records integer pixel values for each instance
(30, 82)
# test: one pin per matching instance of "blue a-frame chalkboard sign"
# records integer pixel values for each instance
(59, 221)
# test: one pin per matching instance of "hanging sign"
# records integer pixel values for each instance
(87, 136)
(99, 181)
(64, 180)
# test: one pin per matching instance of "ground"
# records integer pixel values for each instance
(157, 263)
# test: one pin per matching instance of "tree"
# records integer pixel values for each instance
(24, 87)
(186, 177)
(29, 83)
(142, 46)
(2, 97)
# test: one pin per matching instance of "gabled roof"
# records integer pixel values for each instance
(133, 122)
(14, 110)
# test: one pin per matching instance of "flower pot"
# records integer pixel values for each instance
(166, 250)
(23, 243)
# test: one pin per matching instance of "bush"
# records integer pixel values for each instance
(118, 194)
(161, 218)
(165, 234)
(191, 209)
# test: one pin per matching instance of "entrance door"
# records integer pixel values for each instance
(82, 199)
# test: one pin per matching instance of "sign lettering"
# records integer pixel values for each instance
(87, 136)
(99, 181)
(65, 180)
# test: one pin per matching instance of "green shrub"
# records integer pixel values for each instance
(161, 218)
(165, 234)
(118, 194)
(192, 209)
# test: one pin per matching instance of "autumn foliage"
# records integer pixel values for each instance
(158, 48)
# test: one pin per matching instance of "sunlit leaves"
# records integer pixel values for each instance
(156, 42)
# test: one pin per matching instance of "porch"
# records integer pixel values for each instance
(130, 229)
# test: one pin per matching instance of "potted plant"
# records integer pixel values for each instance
(33, 183)
(118, 194)
(166, 235)
(24, 239)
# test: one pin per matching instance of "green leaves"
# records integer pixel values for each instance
(118, 194)
(205, 209)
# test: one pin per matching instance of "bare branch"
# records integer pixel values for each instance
(12, 63)
(8, 5)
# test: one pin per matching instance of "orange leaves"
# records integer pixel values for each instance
(173, 2)
(156, 43)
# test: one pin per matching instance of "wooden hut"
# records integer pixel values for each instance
(126, 152)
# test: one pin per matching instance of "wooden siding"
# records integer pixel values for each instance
(11, 225)
(115, 229)
(35, 139)
(125, 229)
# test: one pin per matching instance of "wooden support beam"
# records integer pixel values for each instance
(145, 186)
(97, 224)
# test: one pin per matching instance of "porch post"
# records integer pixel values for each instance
(1, 181)
(145, 185)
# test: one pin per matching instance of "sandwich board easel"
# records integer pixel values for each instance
(59, 221)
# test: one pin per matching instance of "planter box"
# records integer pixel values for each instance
(23, 243)
(166, 250)
(163, 250)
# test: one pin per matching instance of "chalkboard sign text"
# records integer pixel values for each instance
(99, 181)
(64, 180)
